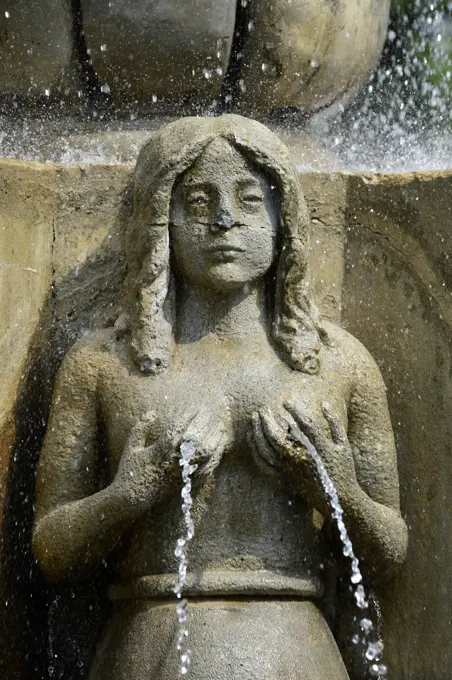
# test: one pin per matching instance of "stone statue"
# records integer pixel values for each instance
(219, 344)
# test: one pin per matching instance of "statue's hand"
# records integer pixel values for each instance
(149, 467)
(211, 435)
(284, 438)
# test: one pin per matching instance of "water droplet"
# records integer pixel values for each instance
(366, 625)
(374, 650)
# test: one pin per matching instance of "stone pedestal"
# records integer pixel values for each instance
(230, 641)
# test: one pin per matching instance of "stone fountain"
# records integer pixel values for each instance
(212, 294)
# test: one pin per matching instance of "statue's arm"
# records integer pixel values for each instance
(76, 524)
(372, 505)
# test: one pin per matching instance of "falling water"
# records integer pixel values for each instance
(400, 122)
(187, 453)
(402, 119)
(53, 657)
(374, 648)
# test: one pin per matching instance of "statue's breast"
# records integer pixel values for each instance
(245, 518)
(227, 388)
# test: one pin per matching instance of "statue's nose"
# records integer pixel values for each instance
(224, 220)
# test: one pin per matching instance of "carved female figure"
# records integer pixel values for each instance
(220, 344)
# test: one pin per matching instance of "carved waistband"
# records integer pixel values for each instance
(220, 583)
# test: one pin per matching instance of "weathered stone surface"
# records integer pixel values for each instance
(164, 53)
(167, 49)
(398, 301)
(35, 46)
(326, 196)
(27, 210)
(217, 285)
(308, 54)
(394, 297)
(88, 264)
(274, 630)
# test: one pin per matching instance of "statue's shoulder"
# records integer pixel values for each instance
(89, 354)
(350, 355)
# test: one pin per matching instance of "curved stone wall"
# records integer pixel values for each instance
(259, 55)
(161, 49)
(310, 53)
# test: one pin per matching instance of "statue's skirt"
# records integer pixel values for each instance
(229, 639)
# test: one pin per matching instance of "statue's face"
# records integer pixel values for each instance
(224, 221)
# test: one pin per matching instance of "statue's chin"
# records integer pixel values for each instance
(229, 276)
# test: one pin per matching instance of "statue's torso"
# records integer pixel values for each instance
(247, 521)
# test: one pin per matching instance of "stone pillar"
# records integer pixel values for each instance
(27, 205)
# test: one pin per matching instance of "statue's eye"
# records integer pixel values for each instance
(252, 197)
(198, 199)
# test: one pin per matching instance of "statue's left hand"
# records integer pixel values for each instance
(275, 436)
(211, 435)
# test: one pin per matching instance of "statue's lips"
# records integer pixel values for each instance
(225, 248)
(224, 252)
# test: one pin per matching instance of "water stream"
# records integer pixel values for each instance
(373, 645)
(187, 453)
(402, 119)
(368, 635)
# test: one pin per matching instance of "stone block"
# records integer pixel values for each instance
(308, 53)
(27, 211)
(398, 302)
(164, 49)
(326, 196)
(92, 209)
(35, 46)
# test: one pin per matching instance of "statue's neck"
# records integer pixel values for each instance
(233, 315)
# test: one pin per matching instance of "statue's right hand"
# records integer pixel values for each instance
(149, 466)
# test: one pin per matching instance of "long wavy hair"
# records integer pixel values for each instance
(150, 290)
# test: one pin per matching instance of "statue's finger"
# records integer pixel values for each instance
(306, 424)
(183, 429)
(216, 438)
(338, 431)
(261, 443)
(194, 424)
(275, 428)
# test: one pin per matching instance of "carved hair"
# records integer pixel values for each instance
(150, 289)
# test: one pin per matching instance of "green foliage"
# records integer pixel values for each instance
(423, 47)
